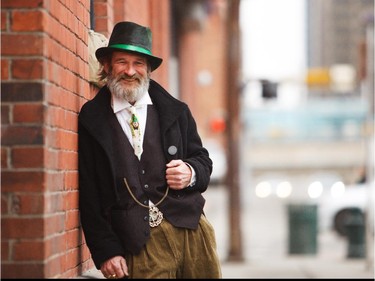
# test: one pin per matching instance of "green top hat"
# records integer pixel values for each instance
(131, 37)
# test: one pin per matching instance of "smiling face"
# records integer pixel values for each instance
(128, 75)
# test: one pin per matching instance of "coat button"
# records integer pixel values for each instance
(143, 172)
(146, 186)
(172, 150)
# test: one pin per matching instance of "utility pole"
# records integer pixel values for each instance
(233, 125)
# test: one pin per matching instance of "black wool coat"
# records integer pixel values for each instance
(97, 179)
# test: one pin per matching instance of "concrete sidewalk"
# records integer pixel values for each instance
(291, 267)
(298, 267)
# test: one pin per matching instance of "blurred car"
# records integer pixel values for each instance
(335, 210)
(336, 201)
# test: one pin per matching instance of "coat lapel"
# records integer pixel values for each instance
(169, 108)
(97, 119)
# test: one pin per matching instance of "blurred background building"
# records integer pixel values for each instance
(307, 113)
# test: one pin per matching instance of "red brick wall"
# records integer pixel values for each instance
(44, 75)
(44, 71)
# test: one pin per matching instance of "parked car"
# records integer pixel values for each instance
(336, 201)
(335, 211)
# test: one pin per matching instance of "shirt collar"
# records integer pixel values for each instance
(120, 104)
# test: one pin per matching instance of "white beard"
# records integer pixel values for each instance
(130, 94)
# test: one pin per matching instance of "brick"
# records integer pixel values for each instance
(71, 180)
(4, 69)
(4, 203)
(54, 266)
(21, 92)
(5, 251)
(72, 258)
(27, 157)
(68, 160)
(86, 255)
(72, 219)
(12, 181)
(54, 223)
(73, 239)
(55, 244)
(22, 271)
(54, 203)
(28, 113)
(72, 121)
(55, 181)
(71, 200)
(4, 20)
(51, 159)
(4, 158)
(27, 69)
(22, 3)
(67, 140)
(28, 251)
(27, 20)
(30, 203)
(21, 44)
(21, 135)
(10, 228)
(5, 114)
(101, 9)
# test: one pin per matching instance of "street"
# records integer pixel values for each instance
(265, 242)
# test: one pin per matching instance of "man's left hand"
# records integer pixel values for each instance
(178, 174)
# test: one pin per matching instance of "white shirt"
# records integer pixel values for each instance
(121, 109)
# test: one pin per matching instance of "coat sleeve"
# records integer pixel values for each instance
(195, 154)
(100, 239)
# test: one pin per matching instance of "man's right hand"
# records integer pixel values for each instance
(114, 268)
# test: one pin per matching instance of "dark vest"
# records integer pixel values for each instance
(146, 179)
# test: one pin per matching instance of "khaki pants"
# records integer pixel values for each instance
(175, 252)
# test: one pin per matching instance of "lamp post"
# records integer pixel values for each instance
(233, 133)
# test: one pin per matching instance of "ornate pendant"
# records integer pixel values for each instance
(156, 216)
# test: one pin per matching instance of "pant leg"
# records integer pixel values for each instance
(200, 258)
(160, 257)
(173, 252)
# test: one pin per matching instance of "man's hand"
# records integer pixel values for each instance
(178, 174)
(114, 268)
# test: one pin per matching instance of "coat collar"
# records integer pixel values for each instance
(95, 113)
(168, 107)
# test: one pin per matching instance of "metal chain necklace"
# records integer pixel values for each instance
(155, 215)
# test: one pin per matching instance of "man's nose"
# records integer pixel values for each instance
(129, 70)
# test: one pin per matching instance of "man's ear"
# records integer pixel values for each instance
(106, 66)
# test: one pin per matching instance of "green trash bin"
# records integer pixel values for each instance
(355, 232)
(303, 228)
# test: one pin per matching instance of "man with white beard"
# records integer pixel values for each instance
(142, 171)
